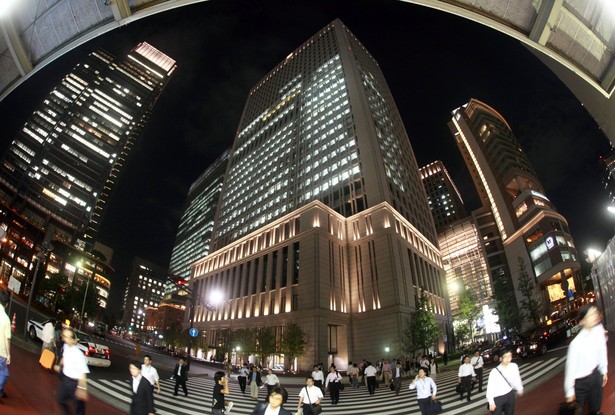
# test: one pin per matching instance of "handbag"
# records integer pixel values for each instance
(435, 407)
(458, 388)
(570, 408)
(316, 408)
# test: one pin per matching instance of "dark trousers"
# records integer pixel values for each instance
(505, 404)
(307, 409)
(269, 389)
(371, 384)
(66, 394)
(318, 384)
(589, 389)
(397, 384)
(181, 382)
(242, 383)
(424, 406)
(479, 375)
(466, 386)
(334, 392)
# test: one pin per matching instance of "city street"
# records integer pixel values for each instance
(111, 390)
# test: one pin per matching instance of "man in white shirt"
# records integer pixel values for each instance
(5, 342)
(370, 378)
(426, 390)
(319, 377)
(242, 377)
(150, 373)
(504, 382)
(332, 384)
(466, 374)
(271, 380)
(48, 336)
(74, 369)
(478, 363)
(586, 361)
(308, 396)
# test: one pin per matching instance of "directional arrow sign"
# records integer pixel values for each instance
(194, 332)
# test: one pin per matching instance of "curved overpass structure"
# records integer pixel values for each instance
(574, 38)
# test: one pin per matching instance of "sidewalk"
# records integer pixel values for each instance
(546, 398)
(31, 390)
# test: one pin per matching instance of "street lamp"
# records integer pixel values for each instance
(387, 349)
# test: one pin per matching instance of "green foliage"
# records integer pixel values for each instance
(422, 331)
(462, 334)
(505, 301)
(293, 342)
(530, 306)
(245, 339)
(469, 311)
(265, 343)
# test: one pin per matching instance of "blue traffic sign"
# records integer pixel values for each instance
(194, 332)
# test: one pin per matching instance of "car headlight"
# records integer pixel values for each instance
(534, 346)
(519, 349)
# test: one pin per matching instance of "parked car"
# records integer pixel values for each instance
(96, 354)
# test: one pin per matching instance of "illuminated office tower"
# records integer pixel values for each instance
(62, 167)
(443, 197)
(145, 289)
(323, 219)
(532, 232)
(195, 227)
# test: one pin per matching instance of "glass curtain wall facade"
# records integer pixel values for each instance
(534, 235)
(323, 220)
(444, 199)
(62, 167)
(196, 225)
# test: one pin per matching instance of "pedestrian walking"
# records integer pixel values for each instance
(48, 336)
(220, 390)
(433, 369)
(73, 369)
(426, 390)
(397, 374)
(142, 395)
(5, 343)
(466, 374)
(445, 358)
(276, 398)
(386, 372)
(370, 378)
(271, 381)
(309, 396)
(333, 384)
(180, 375)
(477, 363)
(353, 373)
(319, 377)
(587, 362)
(503, 384)
(150, 373)
(242, 378)
(255, 382)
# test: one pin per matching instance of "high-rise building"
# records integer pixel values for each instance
(444, 199)
(145, 289)
(323, 219)
(63, 165)
(196, 225)
(607, 163)
(533, 234)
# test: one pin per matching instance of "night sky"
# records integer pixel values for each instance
(433, 63)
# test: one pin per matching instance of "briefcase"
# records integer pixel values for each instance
(47, 360)
(572, 408)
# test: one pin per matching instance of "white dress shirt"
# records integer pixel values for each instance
(586, 352)
(310, 394)
(74, 363)
(497, 384)
(150, 373)
(135, 383)
(370, 371)
(333, 377)
(272, 379)
(466, 369)
(49, 333)
(477, 362)
(318, 375)
(424, 387)
(271, 411)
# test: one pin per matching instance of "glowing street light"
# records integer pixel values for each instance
(6, 6)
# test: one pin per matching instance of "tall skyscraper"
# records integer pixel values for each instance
(145, 289)
(196, 225)
(534, 235)
(444, 199)
(63, 165)
(323, 219)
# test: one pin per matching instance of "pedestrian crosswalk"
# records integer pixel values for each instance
(352, 401)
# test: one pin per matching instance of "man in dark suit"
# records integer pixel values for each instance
(180, 374)
(277, 397)
(142, 394)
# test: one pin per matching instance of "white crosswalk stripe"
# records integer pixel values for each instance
(352, 401)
